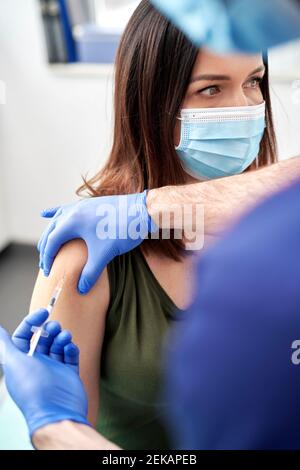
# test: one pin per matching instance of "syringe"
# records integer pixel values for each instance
(39, 330)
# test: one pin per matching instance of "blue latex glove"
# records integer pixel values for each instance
(58, 345)
(227, 26)
(46, 387)
(129, 221)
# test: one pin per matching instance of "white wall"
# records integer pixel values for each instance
(286, 106)
(54, 129)
(4, 230)
(3, 224)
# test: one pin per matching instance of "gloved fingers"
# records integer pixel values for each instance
(23, 333)
(55, 217)
(57, 348)
(43, 241)
(71, 356)
(53, 329)
(93, 269)
(51, 212)
(54, 242)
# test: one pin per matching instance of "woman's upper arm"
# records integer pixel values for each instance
(84, 316)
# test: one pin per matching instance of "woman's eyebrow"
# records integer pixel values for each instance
(209, 77)
(212, 77)
(262, 68)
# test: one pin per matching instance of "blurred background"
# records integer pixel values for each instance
(56, 91)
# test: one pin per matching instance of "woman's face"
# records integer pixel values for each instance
(223, 81)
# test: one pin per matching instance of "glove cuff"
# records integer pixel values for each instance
(152, 227)
(55, 418)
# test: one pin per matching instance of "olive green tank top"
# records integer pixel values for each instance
(138, 319)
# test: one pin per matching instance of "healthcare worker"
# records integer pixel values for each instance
(234, 405)
(234, 367)
(232, 370)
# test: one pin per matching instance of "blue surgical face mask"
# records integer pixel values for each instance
(218, 142)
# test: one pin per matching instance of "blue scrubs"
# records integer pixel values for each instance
(231, 378)
(227, 26)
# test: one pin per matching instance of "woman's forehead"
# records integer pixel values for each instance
(209, 63)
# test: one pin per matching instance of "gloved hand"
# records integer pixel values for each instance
(110, 226)
(227, 26)
(46, 387)
(58, 345)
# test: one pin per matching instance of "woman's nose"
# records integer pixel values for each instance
(240, 99)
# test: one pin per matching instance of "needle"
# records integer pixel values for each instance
(39, 330)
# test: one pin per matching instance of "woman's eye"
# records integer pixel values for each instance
(254, 82)
(209, 91)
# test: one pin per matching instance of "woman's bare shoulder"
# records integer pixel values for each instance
(69, 264)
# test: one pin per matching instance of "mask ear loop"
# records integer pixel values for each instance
(182, 120)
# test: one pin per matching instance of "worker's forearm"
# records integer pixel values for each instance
(68, 435)
(225, 199)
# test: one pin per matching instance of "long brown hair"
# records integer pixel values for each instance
(153, 67)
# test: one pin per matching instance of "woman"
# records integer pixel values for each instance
(121, 326)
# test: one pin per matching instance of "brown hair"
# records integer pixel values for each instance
(153, 67)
